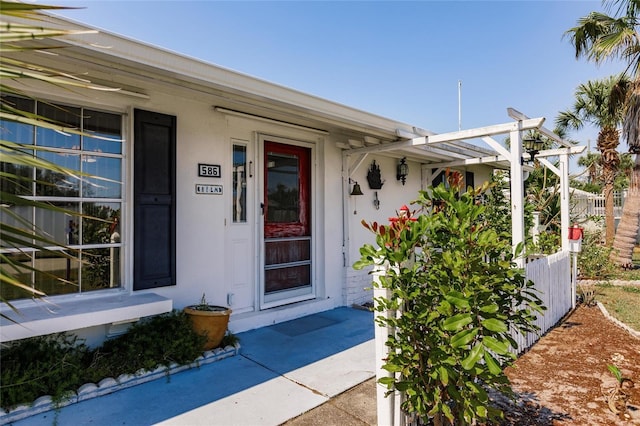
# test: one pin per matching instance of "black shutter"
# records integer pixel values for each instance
(154, 200)
(469, 180)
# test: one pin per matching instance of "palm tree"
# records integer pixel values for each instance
(600, 37)
(17, 232)
(594, 105)
(591, 162)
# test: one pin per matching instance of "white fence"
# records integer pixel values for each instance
(552, 278)
(585, 204)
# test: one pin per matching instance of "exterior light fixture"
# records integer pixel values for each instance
(376, 201)
(356, 188)
(532, 147)
(403, 170)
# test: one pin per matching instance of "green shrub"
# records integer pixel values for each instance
(148, 344)
(52, 365)
(593, 260)
(453, 281)
(58, 365)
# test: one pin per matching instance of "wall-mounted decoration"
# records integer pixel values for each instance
(374, 177)
(376, 201)
(356, 188)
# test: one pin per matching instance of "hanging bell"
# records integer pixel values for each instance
(356, 190)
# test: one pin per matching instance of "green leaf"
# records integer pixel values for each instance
(464, 338)
(492, 364)
(444, 375)
(432, 315)
(481, 411)
(392, 368)
(387, 381)
(447, 412)
(615, 371)
(494, 324)
(358, 265)
(456, 322)
(474, 357)
(457, 299)
(489, 309)
(495, 345)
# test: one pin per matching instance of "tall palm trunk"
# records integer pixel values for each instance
(609, 219)
(608, 140)
(627, 231)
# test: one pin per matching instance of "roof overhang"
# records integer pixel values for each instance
(110, 59)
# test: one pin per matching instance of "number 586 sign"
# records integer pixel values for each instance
(209, 170)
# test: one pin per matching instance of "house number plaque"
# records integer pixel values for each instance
(209, 170)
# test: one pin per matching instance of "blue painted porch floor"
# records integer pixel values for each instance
(281, 372)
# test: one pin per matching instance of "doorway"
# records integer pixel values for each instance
(287, 230)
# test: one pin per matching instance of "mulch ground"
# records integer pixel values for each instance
(564, 380)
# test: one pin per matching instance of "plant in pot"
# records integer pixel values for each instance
(210, 321)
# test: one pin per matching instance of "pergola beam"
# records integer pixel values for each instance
(470, 161)
(491, 159)
(497, 129)
(573, 149)
(381, 148)
(517, 115)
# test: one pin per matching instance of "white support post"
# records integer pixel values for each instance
(517, 191)
(345, 211)
(385, 405)
(565, 204)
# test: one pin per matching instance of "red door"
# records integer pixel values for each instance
(287, 223)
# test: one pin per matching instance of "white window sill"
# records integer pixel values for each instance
(41, 318)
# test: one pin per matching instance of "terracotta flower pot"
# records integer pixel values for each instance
(210, 321)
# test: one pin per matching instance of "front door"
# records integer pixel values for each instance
(286, 209)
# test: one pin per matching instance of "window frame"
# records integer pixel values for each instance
(114, 203)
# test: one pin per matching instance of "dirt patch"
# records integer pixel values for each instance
(563, 379)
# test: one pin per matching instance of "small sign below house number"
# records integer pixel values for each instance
(208, 189)
(209, 170)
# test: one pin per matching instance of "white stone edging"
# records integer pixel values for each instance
(617, 321)
(110, 385)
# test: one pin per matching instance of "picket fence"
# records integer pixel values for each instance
(552, 278)
(586, 204)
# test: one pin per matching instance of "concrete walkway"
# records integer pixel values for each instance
(282, 371)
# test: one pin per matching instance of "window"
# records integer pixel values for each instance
(239, 183)
(93, 145)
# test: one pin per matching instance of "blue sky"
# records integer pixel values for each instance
(401, 60)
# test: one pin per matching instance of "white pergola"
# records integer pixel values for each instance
(451, 149)
(424, 144)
